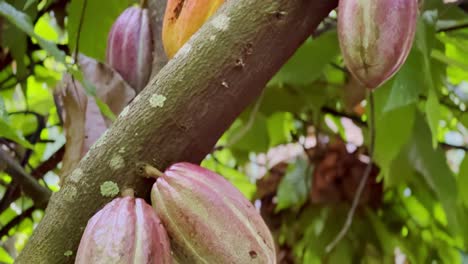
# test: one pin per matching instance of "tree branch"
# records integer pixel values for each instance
(39, 194)
(17, 220)
(12, 192)
(182, 112)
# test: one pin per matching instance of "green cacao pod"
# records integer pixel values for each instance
(182, 19)
(125, 231)
(130, 47)
(376, 37)
(208, 220)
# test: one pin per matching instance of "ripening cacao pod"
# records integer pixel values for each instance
(208, 220)
(376, 37)
(130, 46)
(182, 19)
(126, 231)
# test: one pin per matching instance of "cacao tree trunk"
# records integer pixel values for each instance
(181, 113)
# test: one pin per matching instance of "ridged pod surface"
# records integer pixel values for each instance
(126, 231)
(208, 220)
(376, 37)
(182, 19)
(130, 46)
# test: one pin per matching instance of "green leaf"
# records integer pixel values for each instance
(342, 254)
(23, 22)
(3, 111)
(393, 131)
(10, 133)
(407, 83)
(309, 61)
(29, 3)
(432, 72)
(5, 257)
(399, 171)
(432, 165)
(463, 180)
(280, 127)
(250, 136)
(433, 115)
(294, 99)
(438, 55)
(294, 187)
(97, 21)
(90, 90)
(393, 128)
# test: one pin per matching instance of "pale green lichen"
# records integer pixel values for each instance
(68, 253)
(117, 162)
(100, 140)
(221, 22)
(124, 112)
(69, 193)
(109, 189)
(76, 175)
(157, 100)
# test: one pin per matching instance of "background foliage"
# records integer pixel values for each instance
(298, 152)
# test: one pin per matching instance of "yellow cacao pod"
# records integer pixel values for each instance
(182, 19)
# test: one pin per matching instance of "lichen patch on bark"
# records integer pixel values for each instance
(76, 175)
(221, 22)
(124, 112)
(157, 100)
(117, 162)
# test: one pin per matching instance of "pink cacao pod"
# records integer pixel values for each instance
(376, 37)
(125, 231)
(130, 46)
(208, 219)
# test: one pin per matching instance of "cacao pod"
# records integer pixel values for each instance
(182, 19)
(208, 220)
(376, 37)
(126, 230)
(130, 46)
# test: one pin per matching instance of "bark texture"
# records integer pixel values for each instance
(157, 9)
(182, 112)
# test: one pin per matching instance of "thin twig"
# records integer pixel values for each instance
(16, 221)
(39, 194)
(452, 28)
(362, 184)
(78, 34)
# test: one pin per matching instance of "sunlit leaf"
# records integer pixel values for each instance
(11, 133)
(280, 127)
(308, 62)
(295, 186)
(251, 135)
(96, 22)
(407, 84)
(431, 163)
(433, 115)
(463, 180)
(23, 22)
(5, 257)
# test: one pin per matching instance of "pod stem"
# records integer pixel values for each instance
(152, 172)
(128, 192)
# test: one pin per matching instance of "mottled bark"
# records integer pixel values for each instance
(182, 112)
